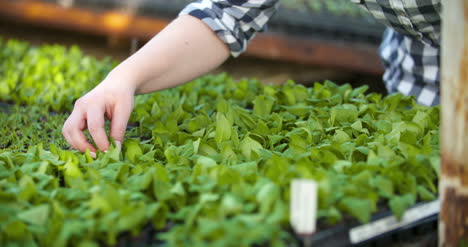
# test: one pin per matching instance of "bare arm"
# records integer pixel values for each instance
(184, 50)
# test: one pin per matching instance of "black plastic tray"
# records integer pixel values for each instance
(418, 225)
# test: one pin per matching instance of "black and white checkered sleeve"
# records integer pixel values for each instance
(411, 67)
(410, 48)
(234, 21)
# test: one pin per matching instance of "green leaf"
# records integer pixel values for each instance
(398, 204)
(435, 164)
(341, 136)
(223, 128)
(263, 105)
(249, 147)
(425, 194)
(37, 215)
(358, 207)
(383, 185)
(15, 230)
(231, 204)
(268, 194)
(247, 170)
(344, 113)
(132, 149)
(357, 125)
(131, 217)
(28, 188)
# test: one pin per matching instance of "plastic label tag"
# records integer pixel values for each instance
(303, 207)
(378, 227)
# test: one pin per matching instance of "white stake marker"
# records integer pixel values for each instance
(303, 207)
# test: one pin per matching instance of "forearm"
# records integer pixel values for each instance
(184, 50)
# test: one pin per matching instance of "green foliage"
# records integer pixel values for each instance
(25, 126)
(51, 75)
(213, 163)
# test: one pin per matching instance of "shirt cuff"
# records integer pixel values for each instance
(234, 24)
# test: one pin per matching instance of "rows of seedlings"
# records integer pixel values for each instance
(208, 163)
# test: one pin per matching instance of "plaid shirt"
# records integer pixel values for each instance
(410, 48)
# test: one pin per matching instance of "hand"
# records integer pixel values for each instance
(169, 59)
(111, 99)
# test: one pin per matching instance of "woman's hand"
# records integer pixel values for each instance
(184, 50)
(112, 99)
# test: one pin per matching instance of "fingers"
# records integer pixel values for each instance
(90, 112)
(119, 121)
(73, 132)
(95, 121)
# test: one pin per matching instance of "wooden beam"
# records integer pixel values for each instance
(453, 186)
(112, 23)
(346, 56)
(333, 54)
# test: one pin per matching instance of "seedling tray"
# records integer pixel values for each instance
(385, 230)
(418, 225)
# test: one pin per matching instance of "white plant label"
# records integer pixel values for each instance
(303, 208)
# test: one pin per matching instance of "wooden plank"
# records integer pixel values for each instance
(453, 186)
(334, 54)
(112, 23)
(339, 55)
